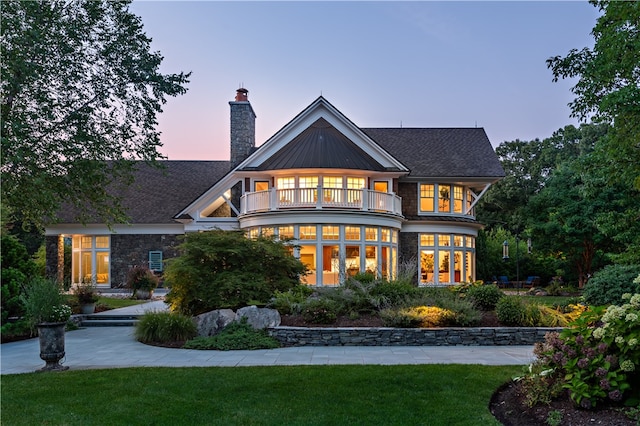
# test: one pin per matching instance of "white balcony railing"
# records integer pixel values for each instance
(320, 198)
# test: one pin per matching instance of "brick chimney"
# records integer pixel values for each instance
(243, 128)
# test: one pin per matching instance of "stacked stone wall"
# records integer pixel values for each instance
(481, 336)
(133, 250)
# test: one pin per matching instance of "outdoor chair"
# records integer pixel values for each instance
(532, 281)
(503, 281)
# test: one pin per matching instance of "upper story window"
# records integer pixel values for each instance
(448, 198)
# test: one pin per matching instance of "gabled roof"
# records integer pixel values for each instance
(440, 152)
(346, 138)
(156, 194)
(322, 146)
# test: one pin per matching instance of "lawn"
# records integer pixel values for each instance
(114, 303)
(296, 395)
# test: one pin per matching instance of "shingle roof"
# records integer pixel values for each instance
(158, 194)
(440, 152)
(321, 146)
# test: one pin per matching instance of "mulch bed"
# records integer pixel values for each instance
(508, 407)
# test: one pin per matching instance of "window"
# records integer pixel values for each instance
(330, 232)
(285, 232)
(352, 233)
(308, 232)
(90, 259)
(427, 197)
(444, 198)
(458, 198)
(371, 234)
(455, 263)
(308, 189)
(381, 186)
(332, 188)
(260, 186)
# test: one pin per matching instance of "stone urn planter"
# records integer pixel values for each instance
(51, 337)
(142, 294)
(88, 308)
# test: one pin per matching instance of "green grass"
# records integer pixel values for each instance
(297, 395)
(114, 303)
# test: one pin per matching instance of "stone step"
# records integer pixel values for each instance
(110, 321)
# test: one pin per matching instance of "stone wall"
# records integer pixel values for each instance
(409, 193)
(481, 336)
(131, 250)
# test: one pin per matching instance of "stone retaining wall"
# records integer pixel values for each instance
(480, 336)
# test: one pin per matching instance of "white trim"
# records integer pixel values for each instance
(441, 228)
(322, 217)
(102, 229)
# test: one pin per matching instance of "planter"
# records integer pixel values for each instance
(51, 337)
(144, 294)
(88, 308)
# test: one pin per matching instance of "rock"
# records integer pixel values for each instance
(259, 318)
(211, 323)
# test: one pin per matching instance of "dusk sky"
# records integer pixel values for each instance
(382, 64)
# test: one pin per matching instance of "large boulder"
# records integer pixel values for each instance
(211, 323)
(259, 318)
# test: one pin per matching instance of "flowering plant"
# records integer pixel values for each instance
(596, 357)
(44, 301)
(59, 313)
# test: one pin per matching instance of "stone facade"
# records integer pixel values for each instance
(409, 193)
(131, 250)
(481, 336)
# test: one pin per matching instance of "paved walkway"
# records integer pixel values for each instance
(115, 347)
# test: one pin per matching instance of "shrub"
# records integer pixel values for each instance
(394, 293)
(511, 311)
(17, 268)
(141, 278)
(236, 336)
(485, 297)
(86, 293)
(609, 284)
(419, 316)
(224, 269)
(320, 311)
(598, 356)
(290, 301)
(164, 327)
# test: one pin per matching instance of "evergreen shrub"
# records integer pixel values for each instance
(485, 297)
(511, 311)
(607, 286)
(224, 269)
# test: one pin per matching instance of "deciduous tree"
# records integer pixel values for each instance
(80, 93)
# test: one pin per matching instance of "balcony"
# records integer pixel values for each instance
(331, 198)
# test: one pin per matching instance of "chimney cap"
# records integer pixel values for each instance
(241, 95)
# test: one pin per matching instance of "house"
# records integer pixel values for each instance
(353, 199)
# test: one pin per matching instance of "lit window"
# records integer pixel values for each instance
(261, 186)
(444, 198)
(285, 232)
(330, 232)
(254, 233)
(444, 240)
(427, 197)
(457, 240)
(308, 232)
(352, 233)
(386, 235)
(381, 186)
(371, 234)
(267, 231)
(458, 196)
(427, 240)
(355, 183)
(286, 183)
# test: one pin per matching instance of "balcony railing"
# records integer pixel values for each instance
(320, 198)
